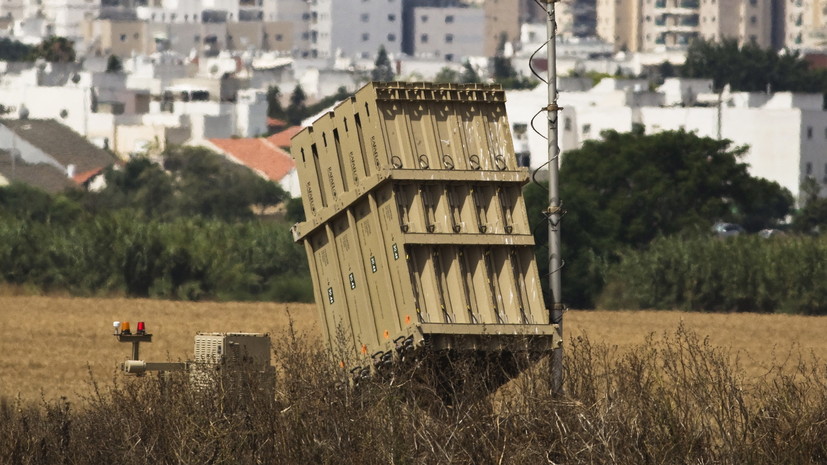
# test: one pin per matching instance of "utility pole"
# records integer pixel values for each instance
(554, 211)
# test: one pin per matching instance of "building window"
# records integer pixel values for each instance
(391, 17)
(365, 17)
(391, 37)
(423, 39)
(136, 36)
(123, 37)
(449, 19)
(808, 169)
(449, 38)
(279, 37)
(809, 132)
(753, 20)
(365, 37)
(587, 129)
(449, 57)
(567, 124)
(423, 18)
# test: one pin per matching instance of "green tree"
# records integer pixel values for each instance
(447, 75)
(114, 64)
(750, 68)
(55, 49)
(12, 50)
(193, 181)
(296, 110)
(469, 74)
(504, 73)
(629, 188)
(383, 68)
(813, 216)
(274, 109)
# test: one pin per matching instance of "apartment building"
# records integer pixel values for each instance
(59, 17)
(448, 33)
(328, 28)
(656, 25)
(125, 38)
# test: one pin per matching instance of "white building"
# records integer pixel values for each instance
(354, 28)
(451, 34)
(62, 18)
(786, 133)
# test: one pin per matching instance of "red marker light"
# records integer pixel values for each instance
(141, 327)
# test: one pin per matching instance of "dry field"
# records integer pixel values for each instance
(49, 346)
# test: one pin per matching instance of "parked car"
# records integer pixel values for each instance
(727, 229)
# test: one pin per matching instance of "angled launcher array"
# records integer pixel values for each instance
(416, 228)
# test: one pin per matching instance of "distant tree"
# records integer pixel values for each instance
(813, 215)
(812, 218)
(114, 64)
(383, 68)
(193, 181)
(274, 108)
(469, 74)
(447, 75)
(295, 211)
(12, 50)
(296, 109)
(629, 188)
(751, 68)
(504, 73)
(341, 94)
(55, 49)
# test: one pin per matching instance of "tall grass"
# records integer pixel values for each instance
(782, 274)
(188, 259)
(674, 399)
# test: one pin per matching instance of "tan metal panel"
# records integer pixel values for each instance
(329, 163)
(308, 170)
(416, 217)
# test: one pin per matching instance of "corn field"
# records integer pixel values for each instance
(786, 274)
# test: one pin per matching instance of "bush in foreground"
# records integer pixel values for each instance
(670, 400)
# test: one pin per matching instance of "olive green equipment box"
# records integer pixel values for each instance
(416, 229)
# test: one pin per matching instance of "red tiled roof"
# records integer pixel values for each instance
(276, 122)
(258, 154)
(81, 178)
(816, 60)
(282, 139)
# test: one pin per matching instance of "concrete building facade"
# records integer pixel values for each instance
(786, 133)
(449, 33)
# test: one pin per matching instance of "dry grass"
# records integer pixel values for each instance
(47, 343)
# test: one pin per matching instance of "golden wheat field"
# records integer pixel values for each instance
(52, 347)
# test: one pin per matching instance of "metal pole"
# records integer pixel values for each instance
(554, 207)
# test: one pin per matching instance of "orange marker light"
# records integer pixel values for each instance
(364, 349)
(125, 328)
(387, 334)
(407, 319)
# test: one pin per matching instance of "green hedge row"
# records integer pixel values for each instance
(189, 258)
(785, 274)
